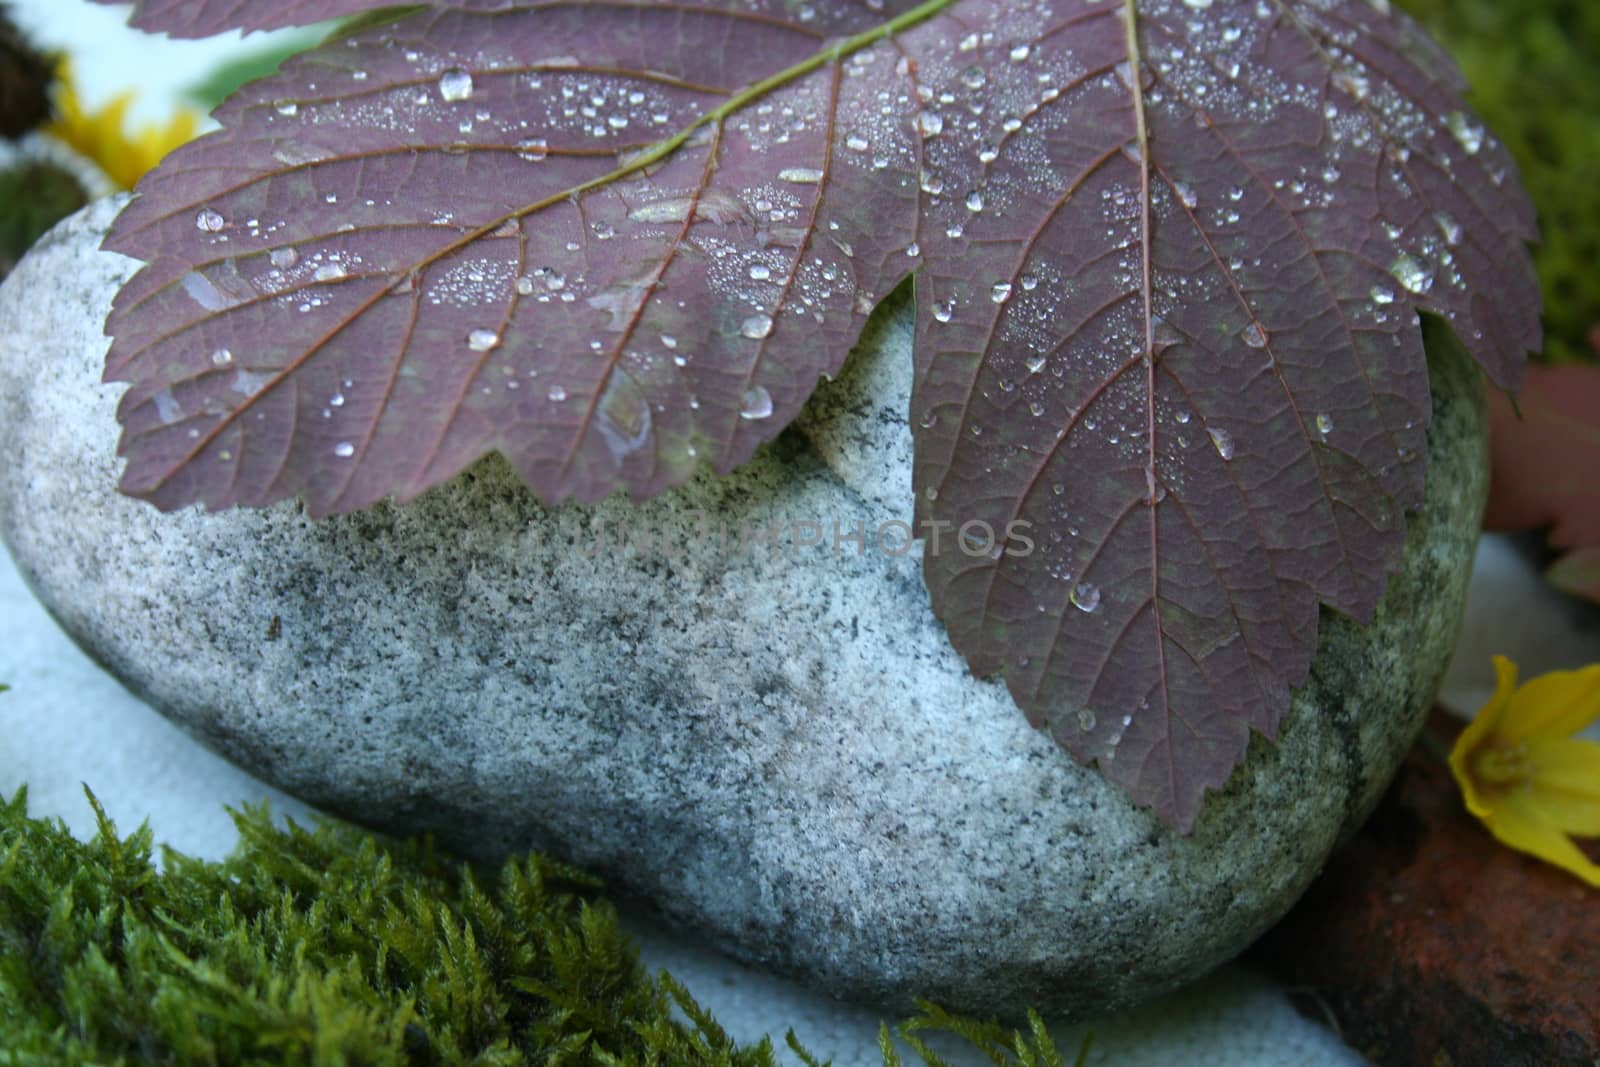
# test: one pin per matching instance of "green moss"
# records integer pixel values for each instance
(1532, 65)
(330, 946)
(34, 196)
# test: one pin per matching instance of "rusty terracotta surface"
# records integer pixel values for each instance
(1432, 945)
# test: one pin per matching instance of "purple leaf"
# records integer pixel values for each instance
(202, 18)
(453, 236)
(1170, 325)
(1169, 279)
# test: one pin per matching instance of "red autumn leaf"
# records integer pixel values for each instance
(202, 18)
(1545, 450)
(1170, 325)
(1170, 257)
(452, 236)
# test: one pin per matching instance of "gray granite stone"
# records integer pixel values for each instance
(779, 747)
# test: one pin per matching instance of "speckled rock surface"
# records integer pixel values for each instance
(776, 744)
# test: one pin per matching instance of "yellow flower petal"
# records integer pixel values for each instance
(1558, 704)
(102, 137)
(1479, 731)
(1566, 784)
(1518, 823)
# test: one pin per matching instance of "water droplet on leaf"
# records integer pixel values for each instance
(1223, 440)
(1412, 273)
(756, 404)
(1466, 131)
(455, 85)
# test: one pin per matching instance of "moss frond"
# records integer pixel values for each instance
(332, 947)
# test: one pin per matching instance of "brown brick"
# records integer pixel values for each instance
(1432, 944)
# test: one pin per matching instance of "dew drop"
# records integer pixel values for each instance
(756, 404)
(1415, 275)
(1198, 5)
(482, 340)
(974, 201)
(1381, 295)
(801, 175)
(1085, 597)
(1449, 228)
(1035, 408)
(524, 286)
(1086, 720)
(283, 258)
(756, 326)
(944, 310)
(329, 272)
(1223, 440)
(287, 108)
(1020, 53)
(1324, 424)
(913, 250)
(221, 357)
(533, 149)
(760, 272)
(557, 394)
(336, 400)
(344, 449)
(856, 143)
(929, 123)
(1185, 194)
(209, 221)
(1035, 363)
(1255, 336)
(1466, 131)
(455, 85)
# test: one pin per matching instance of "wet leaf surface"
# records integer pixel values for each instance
(202, 18)
(1172, 284)
(455, 236)
(1168, 268)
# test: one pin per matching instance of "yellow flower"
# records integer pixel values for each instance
(1523, 772)
(102, 135)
